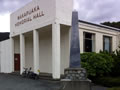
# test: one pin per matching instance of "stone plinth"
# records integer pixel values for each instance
(75, 74)
(76, 85)
(75, 79)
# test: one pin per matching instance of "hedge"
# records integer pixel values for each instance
(97, 64)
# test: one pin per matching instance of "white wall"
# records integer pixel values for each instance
(99, 33)
(45, 37)
(48, 7)
(5, 58)
(54, 11)
(0, 57)
(29, 52)
(45, 44)
(17, 45)
(64, 11)
(65, 47)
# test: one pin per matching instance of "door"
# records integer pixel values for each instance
(17, 62)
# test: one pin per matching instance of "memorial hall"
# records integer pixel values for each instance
(40, 38)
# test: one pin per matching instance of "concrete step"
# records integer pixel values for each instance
(47, 76)
(44, 76)
(15, 73)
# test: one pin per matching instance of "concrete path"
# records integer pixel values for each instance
(13, 82)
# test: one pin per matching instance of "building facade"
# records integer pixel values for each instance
(35, 35)
(40, 37)
(4, 51)
(96, 38)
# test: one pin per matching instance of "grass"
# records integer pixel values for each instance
(114, 88)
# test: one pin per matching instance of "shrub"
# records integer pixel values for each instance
(108, 81)
(96, 64)
(116, 63)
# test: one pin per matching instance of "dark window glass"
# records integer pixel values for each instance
(107, 44)
(89, 42)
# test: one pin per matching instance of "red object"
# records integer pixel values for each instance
(17, 62)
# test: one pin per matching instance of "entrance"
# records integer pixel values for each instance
(17, 62)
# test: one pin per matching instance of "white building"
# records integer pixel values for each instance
(40, 37)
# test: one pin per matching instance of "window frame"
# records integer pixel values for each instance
(110, 43)
(93, 39)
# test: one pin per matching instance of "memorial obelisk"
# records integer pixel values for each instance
(75, 76)
(75, 72)
(75, 61)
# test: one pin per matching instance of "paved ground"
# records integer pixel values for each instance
(96, 87)
(12, 82)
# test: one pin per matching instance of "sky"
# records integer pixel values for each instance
(95, 11)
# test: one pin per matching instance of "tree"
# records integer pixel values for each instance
(112, 24)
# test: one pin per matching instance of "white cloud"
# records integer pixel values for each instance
(76, 5)
(5, 23)
(95, 11)
(11, 5)
(8, 6)
(98, 10)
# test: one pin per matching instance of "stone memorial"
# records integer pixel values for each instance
(75, 76)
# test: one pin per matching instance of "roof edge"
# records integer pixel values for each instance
(99, 25)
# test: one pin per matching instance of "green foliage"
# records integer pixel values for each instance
(105, 52)
(99, 65)
(116, 61)
(116, 68)
(96, 64)
(108, 81)
(112, 24)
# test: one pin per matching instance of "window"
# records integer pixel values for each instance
(89, 42)
(107, 44)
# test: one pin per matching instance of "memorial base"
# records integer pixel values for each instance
(76, 79)
(75, 74)
(76, 85)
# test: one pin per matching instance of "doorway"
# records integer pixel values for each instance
(17, 62)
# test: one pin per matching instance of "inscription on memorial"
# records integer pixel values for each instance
(29, 15)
